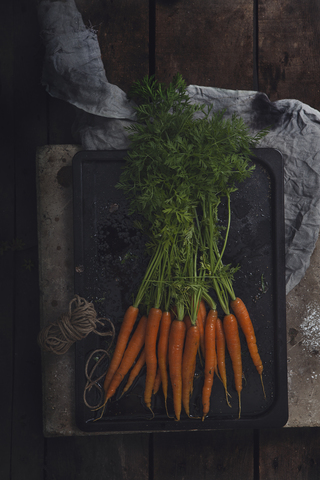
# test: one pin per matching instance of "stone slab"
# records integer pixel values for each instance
(55, 231)
(55, 240)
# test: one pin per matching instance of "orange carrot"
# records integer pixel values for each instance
(187, 321)
(134, 346)
(152, 329)
(135, 370)
(201, 316)
(221, 360)
(231, 331)
(163, 343)
(210, 360)
(176, 342)
(123, 337)
(188, 363)
(244, 320)
(157, 382)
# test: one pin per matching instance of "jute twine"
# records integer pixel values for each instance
(80, 320)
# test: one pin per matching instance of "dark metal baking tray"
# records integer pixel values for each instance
(109, 263)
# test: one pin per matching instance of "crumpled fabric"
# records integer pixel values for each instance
(73, 71)
(295, 132)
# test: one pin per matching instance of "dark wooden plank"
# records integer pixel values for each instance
(209, 43)
(6, 333)
(27, 436)
(7, 233)
(288, 454)
(288, 55)
(29, 131)
(115, 457)
(123, 33)
(222, 455)
(61, 117)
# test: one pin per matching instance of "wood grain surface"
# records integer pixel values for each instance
(289, 43)
(222, 454)
(287, 454)
(123, 32)
(25, 127)
(210, 43)
(7, 233)
(117, 457)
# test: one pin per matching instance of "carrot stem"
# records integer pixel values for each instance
(220, 255)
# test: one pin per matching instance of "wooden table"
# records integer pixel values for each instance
(268, 46)
(55, 227)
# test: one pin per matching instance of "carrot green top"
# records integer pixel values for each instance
(182, 160)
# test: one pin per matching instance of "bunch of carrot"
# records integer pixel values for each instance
(168, 345)
(181, 324)
(182, 161)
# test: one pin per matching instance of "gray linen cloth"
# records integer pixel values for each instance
(73, 71)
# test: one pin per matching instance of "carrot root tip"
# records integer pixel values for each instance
(239, 405)
(264, 392)
(103, 406)
(151, 412)
(169, 416)
(101, 415)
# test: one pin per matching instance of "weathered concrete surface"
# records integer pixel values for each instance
(303, 328)
(55, 234)
(55, 224)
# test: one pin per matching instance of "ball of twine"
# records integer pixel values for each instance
(80, 320)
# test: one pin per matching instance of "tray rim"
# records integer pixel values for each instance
(277, 415)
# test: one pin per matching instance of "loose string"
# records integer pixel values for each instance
(80, 320)
(94, 382)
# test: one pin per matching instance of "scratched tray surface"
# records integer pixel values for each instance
(110, 260)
